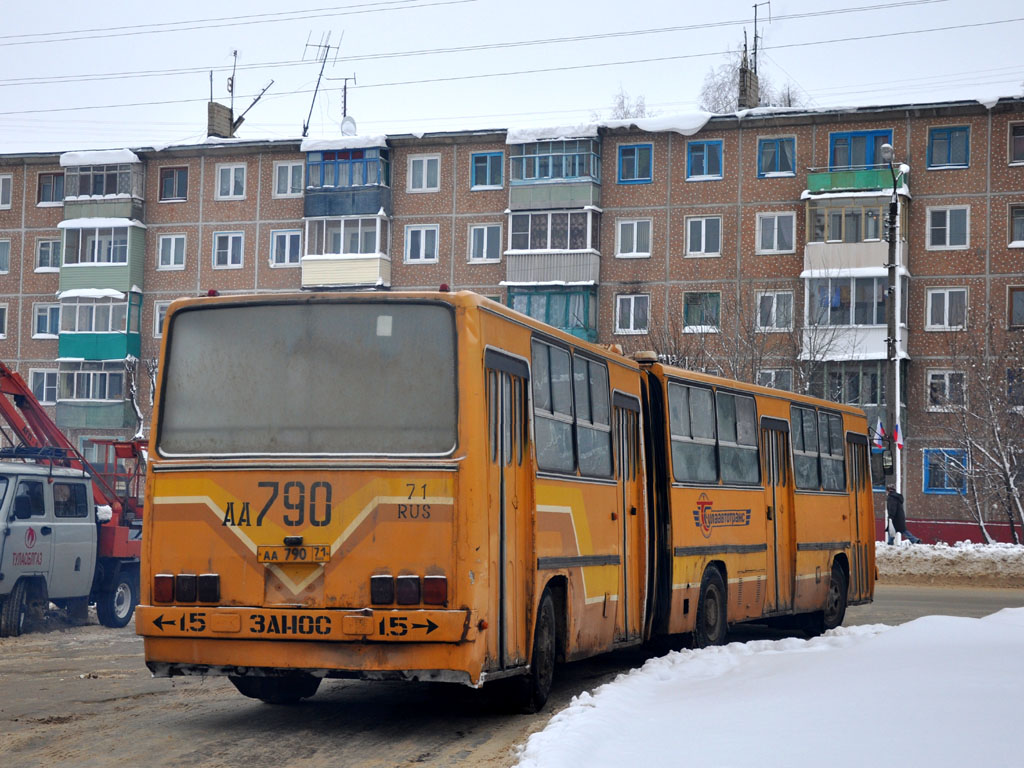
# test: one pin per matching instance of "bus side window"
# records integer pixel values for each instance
(830, 438)
(492, 412)
(805, 448)
(593, 417)
(552, 408)
(692, 427)
(737, 438)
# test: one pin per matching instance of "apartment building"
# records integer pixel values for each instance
(753, 244)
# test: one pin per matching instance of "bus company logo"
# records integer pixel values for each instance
(706, 517)
(30, 538)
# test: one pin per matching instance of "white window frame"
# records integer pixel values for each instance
(241, 250)
(703, 254)
(159, 313)
(46, 307)
(944, 373)
(1009, 143)
(7, 269)
(945, 291)
(71, 313)
(774, 375)
(929, 245)
(6, 191)
(291, 165)
(412, 178)
(486, 241)
(277, 263)
(3, 320)
(95, 372)
(773, 328)
(160, 251)
(631, 330)
(232, 168)
(422, 229)
(634, 254)
(1009, 220)
(774, 216)
(60, 254)
(44, 372)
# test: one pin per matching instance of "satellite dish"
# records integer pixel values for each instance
(348, 126)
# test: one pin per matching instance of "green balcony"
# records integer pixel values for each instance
(116, 414)
(853, 180)
(99, 346)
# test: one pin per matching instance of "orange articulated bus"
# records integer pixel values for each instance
(431, 486)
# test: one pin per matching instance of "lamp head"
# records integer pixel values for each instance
(886, 151)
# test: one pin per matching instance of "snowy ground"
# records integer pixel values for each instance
(941, 691)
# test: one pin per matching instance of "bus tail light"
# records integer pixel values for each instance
(209, 588)
(163, 588)
(185, 587)
(435, 590)
(407, 590)
(382, 589)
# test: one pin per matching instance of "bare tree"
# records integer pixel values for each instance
(624, 107)
(720, 91)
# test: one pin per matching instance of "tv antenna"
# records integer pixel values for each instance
(241, 118)
(756, 35)
(323, 52)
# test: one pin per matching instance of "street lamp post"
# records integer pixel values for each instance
(892, 320)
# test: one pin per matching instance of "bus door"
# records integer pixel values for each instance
(860, 485)
(629, 478)
(780, 523)
(508, 496)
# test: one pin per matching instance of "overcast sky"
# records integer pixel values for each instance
(428, 65)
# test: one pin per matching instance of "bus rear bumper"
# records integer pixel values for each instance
(461, 677)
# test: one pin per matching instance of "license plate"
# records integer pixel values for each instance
(310, 553)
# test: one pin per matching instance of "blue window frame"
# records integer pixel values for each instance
(486, 169)
(571, 310)
(348, 168)
(704, 160)
(776, 157)
(949, 147)
(944, 471)
(635, 163)
(856, 149)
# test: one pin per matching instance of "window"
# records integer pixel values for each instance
(285, 247)
(1017, 226)
(847, 300)
(421, 243)
(70, 500)
(701, 312)
(704, 236)
(692, 429)
(104, 245)
(337, 237)
(3, 321)
(51, 188)
(945, 390)
(348, 168)
(703, 160)
(1015, 387)
(485, 242)
(91, 381)
(635, 164)
(47, 255)
(228, 249)
(805, 448)
(775, 311)
(5, 256)
(171, 252)
(230, 182)
(948, 228)
(556, 161)
(851, 383)
(839, 222)
(776, 157)
(631, 313)
(104, 180)
(46, 322)
(947, 309)
(949, 147)
(574, 311)
(288, 179)
(486, 170)
(775, 232)
(857, 149)
(945, 470)
(558, 231)
(86, 315)
(634, 239)
(776, 378)
(737, 438)
(1017, 143)
(593, 416)
(6, 185)
(173, 184)
(424, 173)
(552, 408)
(159, 315)
(1015, 304)
(44, 385)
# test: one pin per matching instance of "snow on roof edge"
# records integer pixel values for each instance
(343, 142)
(98, 157)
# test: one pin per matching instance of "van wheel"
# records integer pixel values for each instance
(835, 605)
(286, 689)
(14, 611)
(712, 625)
(535, 687)
(115, 607)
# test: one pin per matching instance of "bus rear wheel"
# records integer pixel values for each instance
(286, 689)
(14, 612)
(835, 605)
(535, 687)
(712, 625)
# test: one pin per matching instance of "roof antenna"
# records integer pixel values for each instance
(323, 50)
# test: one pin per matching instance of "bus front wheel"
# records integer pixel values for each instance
(711, 626)
(287, 689)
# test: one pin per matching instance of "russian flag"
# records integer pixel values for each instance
(897, 436)
(879, 436)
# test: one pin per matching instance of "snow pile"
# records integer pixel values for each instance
(939, 692)
(98, 157)
(982, 565)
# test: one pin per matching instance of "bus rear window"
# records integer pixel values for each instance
(367, 378)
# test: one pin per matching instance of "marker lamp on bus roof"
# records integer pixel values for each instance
(384, 325)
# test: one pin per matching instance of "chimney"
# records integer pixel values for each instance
(219, 120)
(749, 95)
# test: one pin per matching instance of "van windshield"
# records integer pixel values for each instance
(309, 378)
